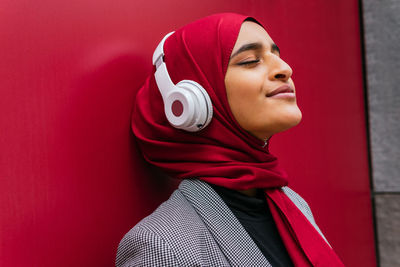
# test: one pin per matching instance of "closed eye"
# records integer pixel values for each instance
(248, 62)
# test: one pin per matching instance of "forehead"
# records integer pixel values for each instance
(251, 32)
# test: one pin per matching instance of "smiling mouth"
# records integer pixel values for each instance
(284, 90)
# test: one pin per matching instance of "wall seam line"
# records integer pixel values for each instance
(367, 124)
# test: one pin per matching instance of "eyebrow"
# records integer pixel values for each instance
(275, 48)
(255, 46)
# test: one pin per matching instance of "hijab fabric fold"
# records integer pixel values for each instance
(223, 153)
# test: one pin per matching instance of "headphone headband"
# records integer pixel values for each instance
(161, 74)
(158, 55)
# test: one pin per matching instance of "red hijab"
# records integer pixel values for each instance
(223, 153)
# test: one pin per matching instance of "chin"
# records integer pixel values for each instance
(271, 124)
(289, 120)
(297, 117)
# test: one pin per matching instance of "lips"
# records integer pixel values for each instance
(281, 90)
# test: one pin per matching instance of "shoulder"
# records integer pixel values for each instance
(141, 247)
(172, 235)
(175, 213)
(144, 245)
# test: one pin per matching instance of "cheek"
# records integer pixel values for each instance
(245, 101)
(244, 89)
(240, 96)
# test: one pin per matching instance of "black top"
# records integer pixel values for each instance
(254, 214)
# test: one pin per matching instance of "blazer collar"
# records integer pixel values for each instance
(236, 244)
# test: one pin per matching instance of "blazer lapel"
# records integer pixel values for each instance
(234, 241)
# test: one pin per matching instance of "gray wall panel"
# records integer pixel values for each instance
(382, 39)
(388, 224)
(382, 45)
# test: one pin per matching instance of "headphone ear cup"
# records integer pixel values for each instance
(188, 106)
(201, 114)
(179, 108)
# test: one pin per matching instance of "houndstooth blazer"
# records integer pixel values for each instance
(194, 227)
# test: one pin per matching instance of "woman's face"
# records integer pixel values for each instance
(259, 87)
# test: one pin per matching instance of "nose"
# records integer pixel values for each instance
(280, 70)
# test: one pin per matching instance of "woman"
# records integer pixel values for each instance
(220, 90)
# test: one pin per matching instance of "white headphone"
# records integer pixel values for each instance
(187, 105)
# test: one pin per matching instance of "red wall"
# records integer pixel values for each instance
(71, 182)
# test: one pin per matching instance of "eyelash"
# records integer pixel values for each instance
(246, 63)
